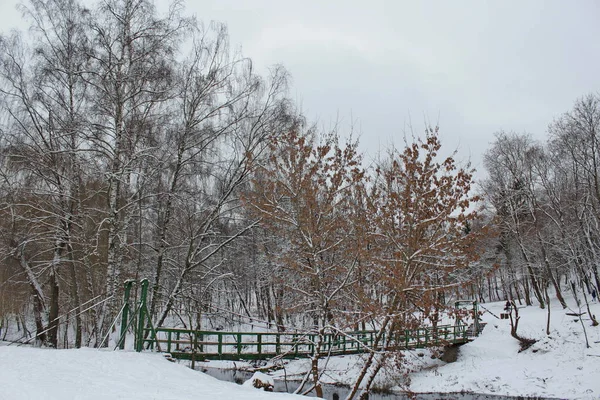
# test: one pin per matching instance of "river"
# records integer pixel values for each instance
(339, 392)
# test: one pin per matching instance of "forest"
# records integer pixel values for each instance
(135, 144)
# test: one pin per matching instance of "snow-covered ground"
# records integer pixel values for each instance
(87, 374)
(557, 366)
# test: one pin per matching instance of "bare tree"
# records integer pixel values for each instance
(219, 149)
(45, 99)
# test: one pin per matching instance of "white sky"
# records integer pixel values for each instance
(475, 66)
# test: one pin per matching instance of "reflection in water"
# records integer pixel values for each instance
(337, 392)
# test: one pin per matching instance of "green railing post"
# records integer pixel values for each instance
(259, 343)
(239, 344)
(125, 317)
(142, 316)
(220, 344)
(278, 343)
(169, 341)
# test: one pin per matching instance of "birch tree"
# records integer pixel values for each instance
(45, 100)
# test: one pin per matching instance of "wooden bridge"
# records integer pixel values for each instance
(219, 345)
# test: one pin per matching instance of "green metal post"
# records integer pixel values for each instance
(220, 345)
(278, 343)
(259, 343)
(239, 344)
(295, 341)
(169, 342)
(125, 317)
(142, 316)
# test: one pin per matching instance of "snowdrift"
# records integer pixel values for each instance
(36, 374)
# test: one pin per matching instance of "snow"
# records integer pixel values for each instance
(260, 379)
(558, 365)
(30, 373)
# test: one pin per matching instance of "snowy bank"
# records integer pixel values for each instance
(558, 365)
(34, 374)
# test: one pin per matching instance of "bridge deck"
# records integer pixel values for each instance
(219, 345)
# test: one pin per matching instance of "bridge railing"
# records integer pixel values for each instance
(187, 343)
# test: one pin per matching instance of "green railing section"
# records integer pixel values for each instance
(199, 345)
(187, 344)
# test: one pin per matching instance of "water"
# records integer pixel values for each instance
(339, 392)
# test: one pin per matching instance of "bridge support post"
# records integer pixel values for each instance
(139, 345)
(125, 315)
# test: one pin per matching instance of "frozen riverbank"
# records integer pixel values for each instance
(558, 366)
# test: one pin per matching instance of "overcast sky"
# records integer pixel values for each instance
(474, 67)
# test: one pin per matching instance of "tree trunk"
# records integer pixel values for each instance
(549, 272)
(53, 314)
(534, 283)
(76, 304)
